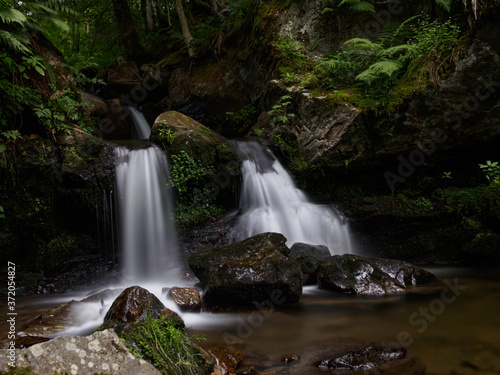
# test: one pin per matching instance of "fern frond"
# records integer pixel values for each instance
(388, 34)
(445, 4)
(384, 66)
(16, 42)
(9, 15)
(362, 45)
(403, 52)
(358, 5)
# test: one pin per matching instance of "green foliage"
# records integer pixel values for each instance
(490, 169)
(280, 113)
(461, 200)
(164, 345)
(2, 215)
(194, 205)
(166, 136)
(447, 175)
(243, 119)
(61, 111)
(58, 251)
(424, 203)
(185, 172)
(18, 371)
(428, 36)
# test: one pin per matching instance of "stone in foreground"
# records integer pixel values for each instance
(354, 274)
(255, 270)
(100, 353)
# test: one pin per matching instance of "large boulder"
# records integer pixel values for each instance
(178, 133)
(101, 352)
(310, 258)
(354, 274)
(195, 139)
(255, 270)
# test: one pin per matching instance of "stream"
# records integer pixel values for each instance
(452, 337)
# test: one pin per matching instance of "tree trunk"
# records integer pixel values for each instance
(133, 48)
(150, 15)
(184, 26)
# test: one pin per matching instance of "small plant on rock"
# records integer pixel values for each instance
(280, 112)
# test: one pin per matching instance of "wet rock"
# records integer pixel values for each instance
(257, 269)
(351, 356)
(289, 358)
(369, 360)
(358, 275)
(132, 305)
(101, 352)
(96, 107)
(188, 299)
(227, 358)
(310, 258)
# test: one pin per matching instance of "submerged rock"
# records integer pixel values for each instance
(310, 258)
(101, 352)
(257, 269)
(350, 356)
(227, 358)
(358, 275)
(188, 299)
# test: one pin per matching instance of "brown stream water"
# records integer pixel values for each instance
(455, 330)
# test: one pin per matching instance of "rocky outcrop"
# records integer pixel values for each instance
(187, 299)
(96, 107)
(125, 76)
(255, 270)
(354, 274)
(310, 258)
(101, 352)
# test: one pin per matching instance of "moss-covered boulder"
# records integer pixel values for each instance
(255, 270)
(192, 146)
(354, 274)
(484, 249)
(177, 132)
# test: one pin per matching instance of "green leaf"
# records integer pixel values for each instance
(40, 70)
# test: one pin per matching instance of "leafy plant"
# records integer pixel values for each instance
(447, 175)
(165, 345)
(491, 169)
(166, 136)
(280, 113)
(186, 172)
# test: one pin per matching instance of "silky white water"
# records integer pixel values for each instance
(141, 125)
(147, 231)
(270, 202)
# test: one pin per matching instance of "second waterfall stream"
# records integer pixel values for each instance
(270, 202)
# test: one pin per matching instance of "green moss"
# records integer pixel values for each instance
(461, 200)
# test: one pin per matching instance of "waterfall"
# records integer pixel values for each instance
(270, 202)
(147, 231)
(141, 125)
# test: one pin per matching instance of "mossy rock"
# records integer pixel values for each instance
(177, 133)
(484, 249)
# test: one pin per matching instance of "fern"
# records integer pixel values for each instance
(358, 5)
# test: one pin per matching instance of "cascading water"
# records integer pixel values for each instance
(270, 202)
(141, 125)
(148, 238)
